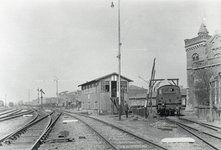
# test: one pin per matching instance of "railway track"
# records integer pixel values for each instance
(208, 134)
(15, 114)
(3, 109)
(32, 134)
(117, 138)
(9, 112)
(212, 127)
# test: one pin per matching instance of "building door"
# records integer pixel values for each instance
(113, 88)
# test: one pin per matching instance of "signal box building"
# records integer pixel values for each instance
(99, 95)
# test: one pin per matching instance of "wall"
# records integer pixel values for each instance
(94, 98)
(208, 58)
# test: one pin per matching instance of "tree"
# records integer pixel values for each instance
(202, 87)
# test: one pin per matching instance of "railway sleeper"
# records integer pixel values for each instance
(6, 142)
(60, 140)
(15, 137)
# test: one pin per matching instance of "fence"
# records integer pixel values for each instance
(204, 111)
(140, 110)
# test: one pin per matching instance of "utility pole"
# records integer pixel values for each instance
(119, 57)
(56, 80)
(38, 95)
(28, 95)
(5, 99)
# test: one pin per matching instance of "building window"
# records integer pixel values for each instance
(195, 57)
(105, 86)
(124, 85)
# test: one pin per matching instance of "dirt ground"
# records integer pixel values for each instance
(153, 128)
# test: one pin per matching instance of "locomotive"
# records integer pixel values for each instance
(168, 100)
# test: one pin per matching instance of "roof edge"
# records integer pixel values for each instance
(114, 73)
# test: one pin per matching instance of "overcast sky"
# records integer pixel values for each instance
(77, 41)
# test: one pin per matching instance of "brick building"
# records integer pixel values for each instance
(202, 52)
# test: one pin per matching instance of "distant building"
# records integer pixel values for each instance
(202, 52)
(52, 100)
(64, 99)
(35, 102)
(100, 94)
(137, 95)
(28, 103)
(1, 103)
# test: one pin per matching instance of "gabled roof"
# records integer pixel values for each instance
(133, 87)
(215, 35)
(62, 93)
(103, 77)
(203, 29)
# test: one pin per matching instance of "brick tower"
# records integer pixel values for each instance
(195, 54)
(203, 51)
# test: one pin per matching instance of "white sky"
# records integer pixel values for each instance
(77, 41)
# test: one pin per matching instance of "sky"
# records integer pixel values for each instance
(77, 41)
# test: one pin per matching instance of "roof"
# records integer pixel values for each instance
(103, 77)
(133, 87)
(214, 36)
(203, 29)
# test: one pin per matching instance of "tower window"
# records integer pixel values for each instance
(195, 57)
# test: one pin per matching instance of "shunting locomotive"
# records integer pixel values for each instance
(168, 98)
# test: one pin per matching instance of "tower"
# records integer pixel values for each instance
(196, 51)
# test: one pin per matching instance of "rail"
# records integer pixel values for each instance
(187, 128)
(15, 115)
(46, 132)
(18, 130)
(215, 128)
(23, 128)
(150, 143)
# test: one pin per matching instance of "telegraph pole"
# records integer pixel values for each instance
(119, 58)
(38, 95)
(56, 79)
(5, 99)
(28, 95)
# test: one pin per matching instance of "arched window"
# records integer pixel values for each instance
(195, 57)
(217, 55)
